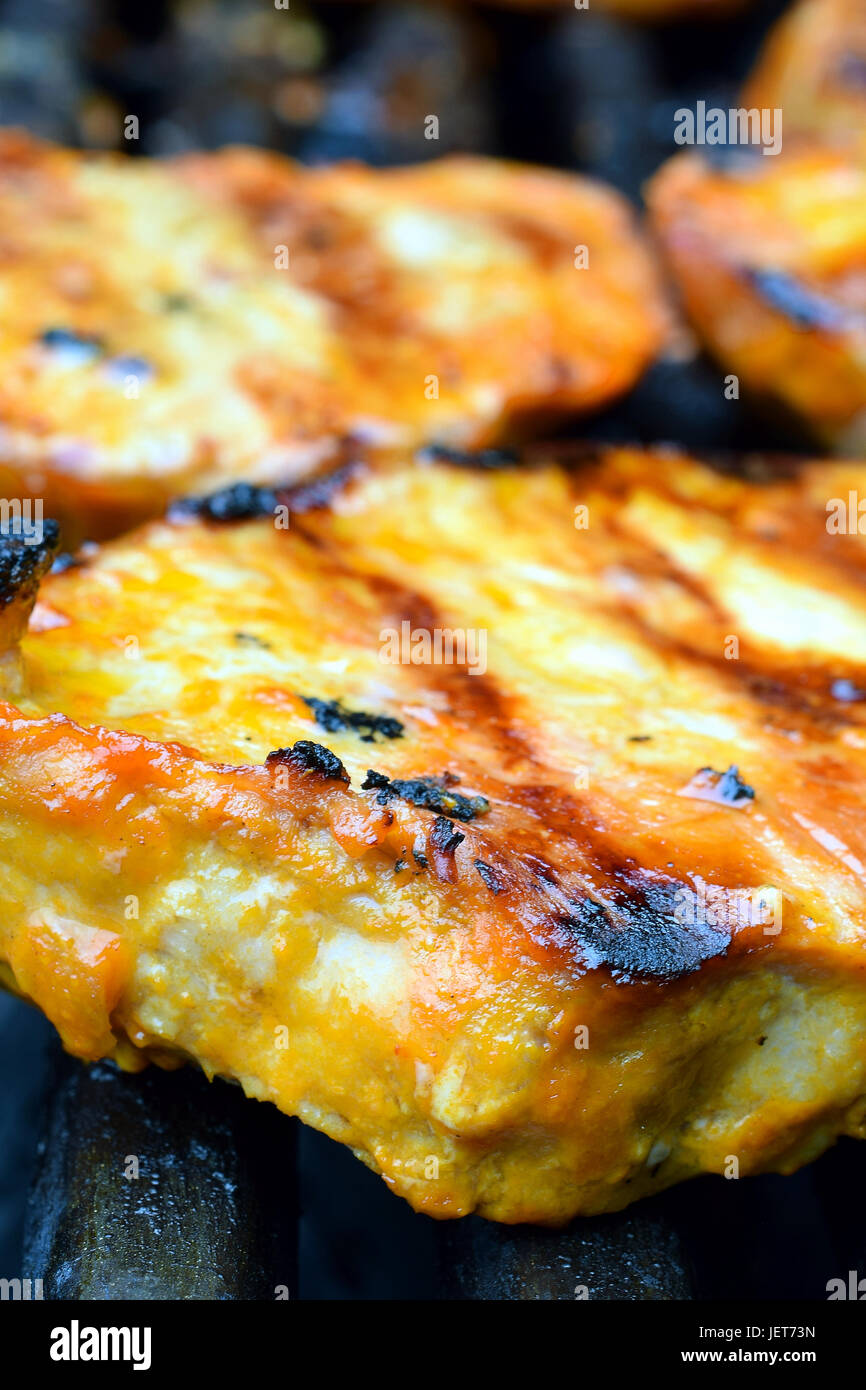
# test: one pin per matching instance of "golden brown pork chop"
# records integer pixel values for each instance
(505, 824)
(168, 326)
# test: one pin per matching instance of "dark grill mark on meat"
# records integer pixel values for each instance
(430, 793)
(730, 785)
(248, 502)
(333, 716)
(22, 565)
(484, 459)
(471, 699)
(442, 841)
(309, 757)
(803, 306)
(641, 935)
(443, 836)
(798, 695)
(753, 468)
(240, 502)
(489, 875)
(319, 492)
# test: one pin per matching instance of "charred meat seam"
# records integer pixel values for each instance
(489, 875)
(443, 836)
(333, 716)
(639, 934)
(778, 690)
(803, 306)
(430, 793)
(240, 502)
(309, 757)
(483, 459)
(730, 785)
(248, 502)
(319, 492)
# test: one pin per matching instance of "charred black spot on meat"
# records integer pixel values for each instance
(430, 793)
(442, 841)
(248, 502)
(489, 875)
(249, 639)
(639, 738)
(239, 502)
(309, 757)
(443, 836)
(420, 858)
(319, 492)
(485, 459)
(642, 932)
(333, 716)
(23, 564)
(726, 788)
(730, 785)
(803, 306)
(760, 468)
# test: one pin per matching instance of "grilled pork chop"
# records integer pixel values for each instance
(504, 823)
(769, 255)
(167, 326)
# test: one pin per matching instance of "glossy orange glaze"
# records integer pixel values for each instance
(168, 326)
(596, 984)
(769, 256)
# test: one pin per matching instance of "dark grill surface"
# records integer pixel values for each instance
(354, 80)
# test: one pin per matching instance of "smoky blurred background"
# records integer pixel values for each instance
(580, 90)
